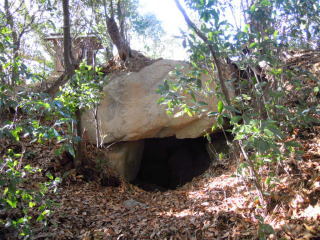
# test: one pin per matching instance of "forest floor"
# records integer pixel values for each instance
(215, 205)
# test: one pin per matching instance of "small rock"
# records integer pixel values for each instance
(133, 203)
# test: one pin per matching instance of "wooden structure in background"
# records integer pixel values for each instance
(84, 47)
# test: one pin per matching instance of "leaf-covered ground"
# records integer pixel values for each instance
(216, 205)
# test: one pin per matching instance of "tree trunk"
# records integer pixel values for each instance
(69, 64)
(16, 43)
(79, 158)
(69, 70)
(118, 40)
(67, 54)
(116, 34)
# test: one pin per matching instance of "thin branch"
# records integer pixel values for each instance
(111, 9)
(211, 47)
(105, 10)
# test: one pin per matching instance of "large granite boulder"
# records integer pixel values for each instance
(129, 110)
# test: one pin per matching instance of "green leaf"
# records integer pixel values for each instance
(268, 181)
(42, 215)
(265, 3)
(200, 103)
(268, 132)
(169, 112)
(213, 114)
(15, 133)
(292, 144)
(49, 175)
(261, 145)
(239, 136)
(246, 28)
(235, 119)
(210, 36)
(253, 8)
(12, 203)
(253, 45)
(220, 120)
(71, 150)
(220, 106)
(232, 109)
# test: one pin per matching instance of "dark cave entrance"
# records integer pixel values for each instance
(168, 163)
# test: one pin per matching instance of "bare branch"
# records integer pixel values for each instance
(211, 48)
(105, 10)
(111, 9)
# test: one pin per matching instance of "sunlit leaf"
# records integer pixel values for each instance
(220, 106)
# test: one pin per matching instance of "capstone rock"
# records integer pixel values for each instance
(130, 111)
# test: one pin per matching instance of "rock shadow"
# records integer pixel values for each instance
(168, 163)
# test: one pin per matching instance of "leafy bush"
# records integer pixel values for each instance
(25, 116)
(84, 90)
(21, 205)
(261, 114)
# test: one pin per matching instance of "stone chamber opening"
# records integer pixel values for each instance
(168, 163)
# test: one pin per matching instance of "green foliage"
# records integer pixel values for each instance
(84, 90)
(174, 93)
(36, 118)
(264, 229)
(36, 108)
(7, 63)
(260, 114)
(25, 117)
(147, 30)
(29, 204)
(303, 17)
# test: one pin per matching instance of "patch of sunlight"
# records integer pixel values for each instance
(213, 209)
(181, 214)
(186, 213)
(197, 195)
(224, 181)
(311, 212)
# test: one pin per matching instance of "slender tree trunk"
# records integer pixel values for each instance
(121, 44)
(79, 159)
(117, 35)
(2, 76)
(69, 62)
(69, 66)
(69, 70)
(67, 54)
(98, 136)
(16, 43)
